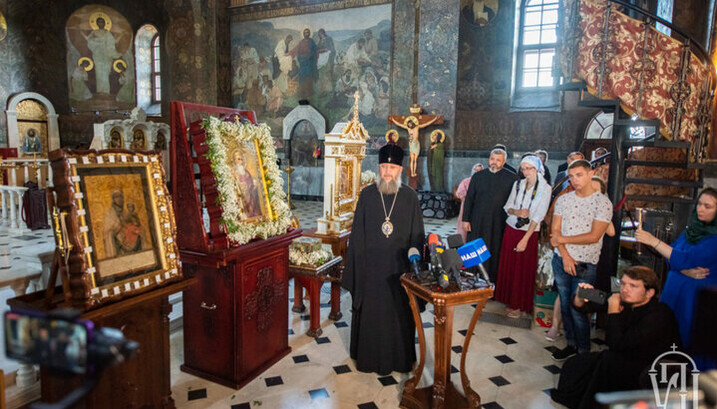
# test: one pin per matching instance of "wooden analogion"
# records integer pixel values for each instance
(442, 394)
(235, 317)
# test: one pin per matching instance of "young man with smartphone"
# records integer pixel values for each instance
(638, 329)
(579, 222)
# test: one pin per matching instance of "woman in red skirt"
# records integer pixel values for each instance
(526, 207)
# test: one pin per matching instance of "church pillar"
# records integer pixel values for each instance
(403, 63)
(437, 62)
(192, 39)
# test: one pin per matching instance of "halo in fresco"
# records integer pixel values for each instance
(323, 58)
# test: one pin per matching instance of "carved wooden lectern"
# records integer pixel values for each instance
(442, 394)
(235, 318)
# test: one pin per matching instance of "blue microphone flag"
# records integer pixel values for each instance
(473, 253)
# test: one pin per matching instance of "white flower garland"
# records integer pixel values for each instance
(314, 259)
(367, 177)
(219, 133)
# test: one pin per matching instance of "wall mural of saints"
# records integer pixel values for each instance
(100, 62)
(3, 27)
(479, 12)
(321, 57)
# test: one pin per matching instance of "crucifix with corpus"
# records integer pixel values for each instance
(413, 123)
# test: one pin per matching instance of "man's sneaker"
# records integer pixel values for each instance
(565, 353)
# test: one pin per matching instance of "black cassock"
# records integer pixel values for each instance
(635, 337)
(483, 208)
(382, 327)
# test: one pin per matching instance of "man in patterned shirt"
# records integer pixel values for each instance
(579, 222)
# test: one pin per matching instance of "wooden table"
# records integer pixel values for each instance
(313, 278)
(442, 394)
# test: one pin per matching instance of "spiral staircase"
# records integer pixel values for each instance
(624, 66)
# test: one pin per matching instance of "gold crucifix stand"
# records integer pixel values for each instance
(289, 170)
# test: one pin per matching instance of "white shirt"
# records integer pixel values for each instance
(521, 199)
(577, 216)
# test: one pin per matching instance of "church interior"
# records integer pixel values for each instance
(207, 178)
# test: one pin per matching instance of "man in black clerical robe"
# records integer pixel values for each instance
(483, 214)
(385, 226)
(638, 330)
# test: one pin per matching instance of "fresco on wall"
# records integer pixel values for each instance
(3, 27)
(100, 62)
(323, 58)
(485, 54)
(479, 12)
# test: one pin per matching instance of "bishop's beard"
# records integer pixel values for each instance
(388, 188)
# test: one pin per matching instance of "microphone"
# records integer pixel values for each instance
(452, 262)
(455, 241)
(414, 257)
(436, 248)
(474, 253)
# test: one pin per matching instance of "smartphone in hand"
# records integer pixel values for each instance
(593, 295)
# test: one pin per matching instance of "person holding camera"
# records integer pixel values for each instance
(526, 207)
(693, 264)
(637, 331)
(580, 220)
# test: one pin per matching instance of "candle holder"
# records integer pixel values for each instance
(289, 170)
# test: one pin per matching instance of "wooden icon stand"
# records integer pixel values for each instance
(236, 323)
(141, 381)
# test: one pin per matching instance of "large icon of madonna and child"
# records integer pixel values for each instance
(250, 185)
(121, 224)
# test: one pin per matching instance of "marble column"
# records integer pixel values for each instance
(437, 61)
(20, 223)
(437, 76)
(4, 198)
(402, 65)
(12, 208)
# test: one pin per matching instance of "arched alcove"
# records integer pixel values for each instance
(14, 137)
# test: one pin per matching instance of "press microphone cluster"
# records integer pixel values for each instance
(446, 263)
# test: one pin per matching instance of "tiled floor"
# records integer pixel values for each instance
(509, 367)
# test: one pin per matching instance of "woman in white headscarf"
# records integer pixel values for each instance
(526, 207)
(461, 195)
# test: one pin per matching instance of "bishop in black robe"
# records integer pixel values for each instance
(483, 208)
(382, 327)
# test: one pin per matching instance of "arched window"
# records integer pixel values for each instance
(156, 72)
(537, 44)
(149, 78)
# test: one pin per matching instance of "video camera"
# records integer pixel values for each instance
(598, 296)
(65, 343)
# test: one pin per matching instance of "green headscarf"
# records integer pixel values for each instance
(698, 230)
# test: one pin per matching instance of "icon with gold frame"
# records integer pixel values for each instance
(119, 221)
